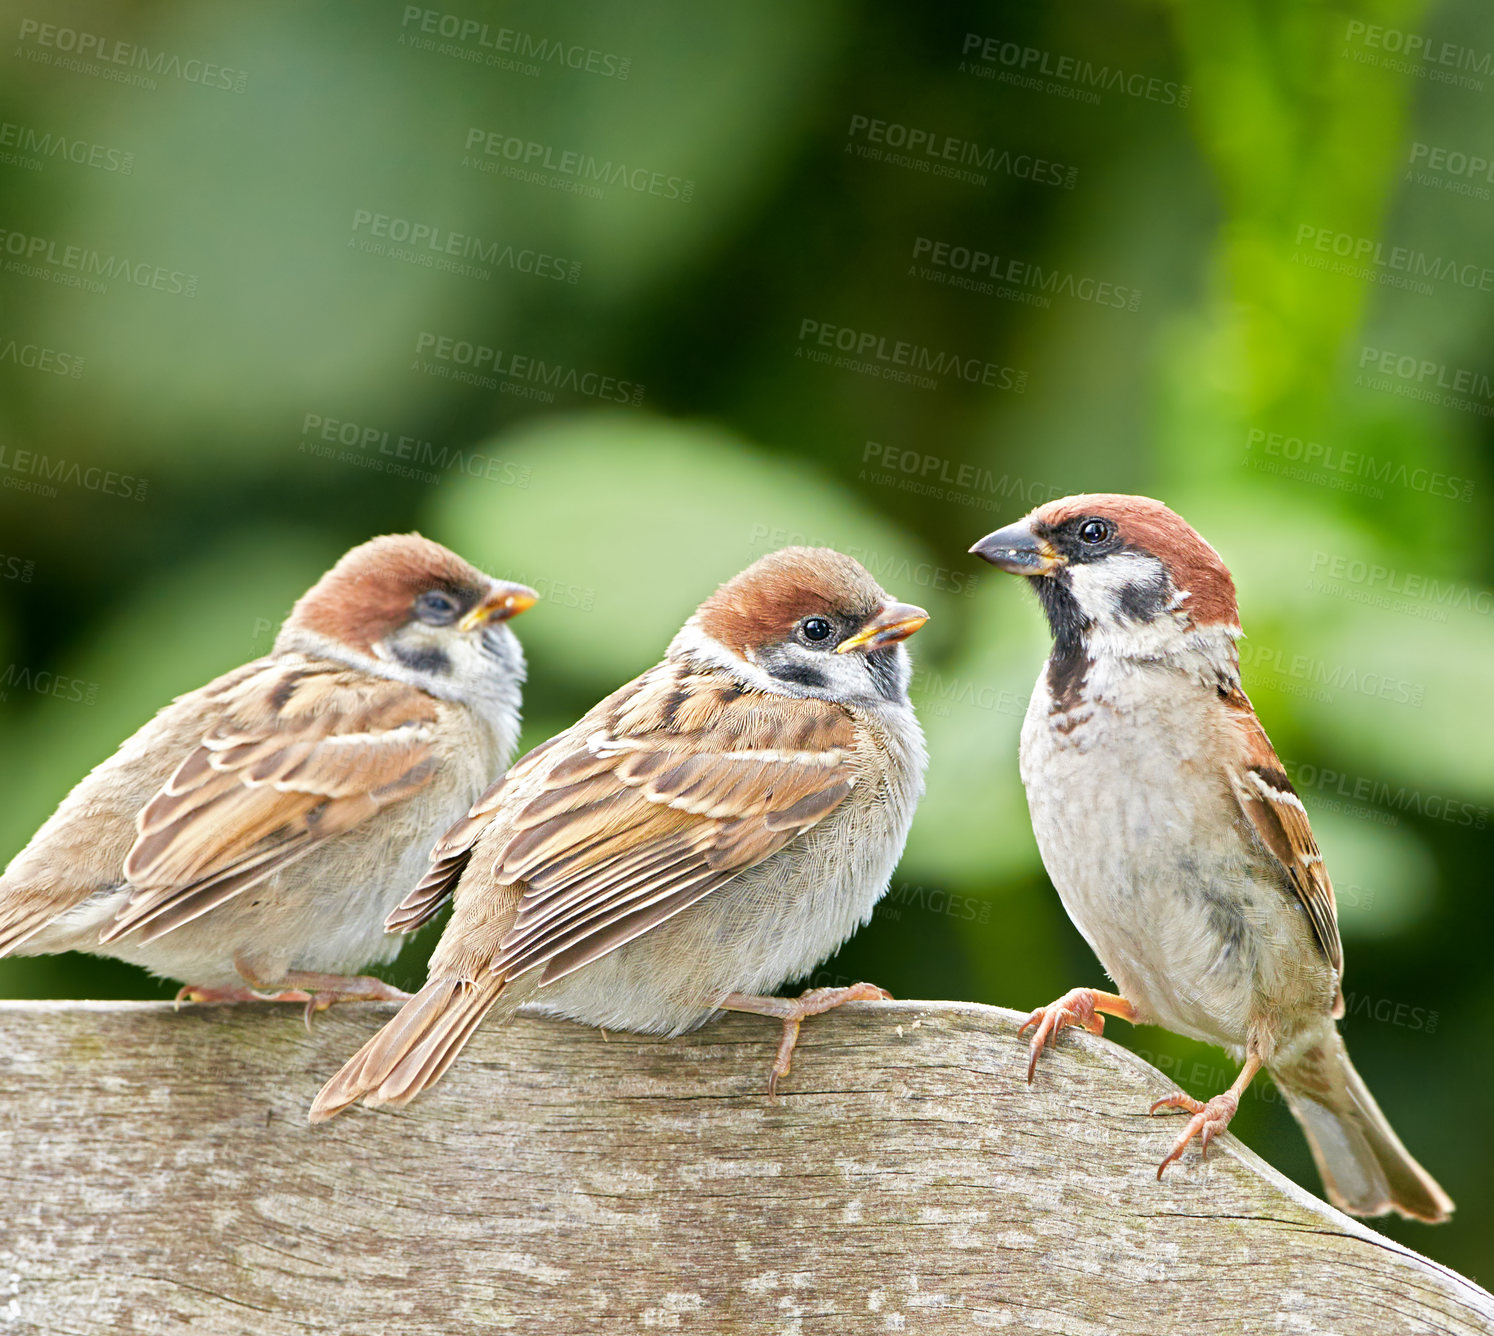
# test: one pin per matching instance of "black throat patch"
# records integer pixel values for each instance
(886, 670)
(1069, 661)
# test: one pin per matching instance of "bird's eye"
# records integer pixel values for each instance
(816, 630)
(436, 608)
(1094, 531)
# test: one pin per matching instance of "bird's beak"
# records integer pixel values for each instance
(1018, 550)
(501, 603)
(891, 623)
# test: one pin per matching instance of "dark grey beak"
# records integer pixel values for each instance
(1018, 550)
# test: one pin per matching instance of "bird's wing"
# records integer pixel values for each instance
(296, 753)
(665, 791)
(453, 851)
(1276, 814)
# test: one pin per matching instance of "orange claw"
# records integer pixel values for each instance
(1208, 1121)
(793, 1010)
(1078, 1006)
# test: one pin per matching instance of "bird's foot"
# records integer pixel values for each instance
(1207, 1122)
(198, 993)
(792, 1011)
(1075, 1007)
(320, 991)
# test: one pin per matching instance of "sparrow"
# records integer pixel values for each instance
(255, 833)
(708, 832)
(1177, 843)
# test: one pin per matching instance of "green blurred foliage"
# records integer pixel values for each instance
(186, 485)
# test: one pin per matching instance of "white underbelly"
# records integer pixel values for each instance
(323, 913)
(1140, 843)
(774, 923)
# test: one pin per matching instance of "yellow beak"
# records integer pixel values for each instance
(502, 602)
(892, 622)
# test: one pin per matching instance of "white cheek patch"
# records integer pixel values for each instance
(694, 645)
(1098, 586)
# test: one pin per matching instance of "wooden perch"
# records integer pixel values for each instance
(159, 1176)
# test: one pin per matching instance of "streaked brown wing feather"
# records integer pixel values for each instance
(1276, 814)
(294, 759)
(453, 851)
(664, 792)
(80, 850)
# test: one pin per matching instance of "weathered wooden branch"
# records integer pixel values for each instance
(159, 1176)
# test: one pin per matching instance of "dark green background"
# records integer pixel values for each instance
(1300, 132)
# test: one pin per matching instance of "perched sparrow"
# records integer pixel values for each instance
(257, 830)
(714, 828)
(1176, 841)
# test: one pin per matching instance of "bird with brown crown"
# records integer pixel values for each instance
(255, 833)
(1176, 841)
(708, 832)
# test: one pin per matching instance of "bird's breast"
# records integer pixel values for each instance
(1140, 835)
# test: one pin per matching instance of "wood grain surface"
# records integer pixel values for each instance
(159, 1176)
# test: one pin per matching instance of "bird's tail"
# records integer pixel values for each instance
(1365, 1168)
(412, 1052)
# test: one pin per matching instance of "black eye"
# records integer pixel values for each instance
(436, 608)
(816, 630)
(1094, 531)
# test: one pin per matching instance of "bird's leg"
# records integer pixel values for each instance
(1078, 1006)
(792, 1010)
(1210, 1119)
(320, 991)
